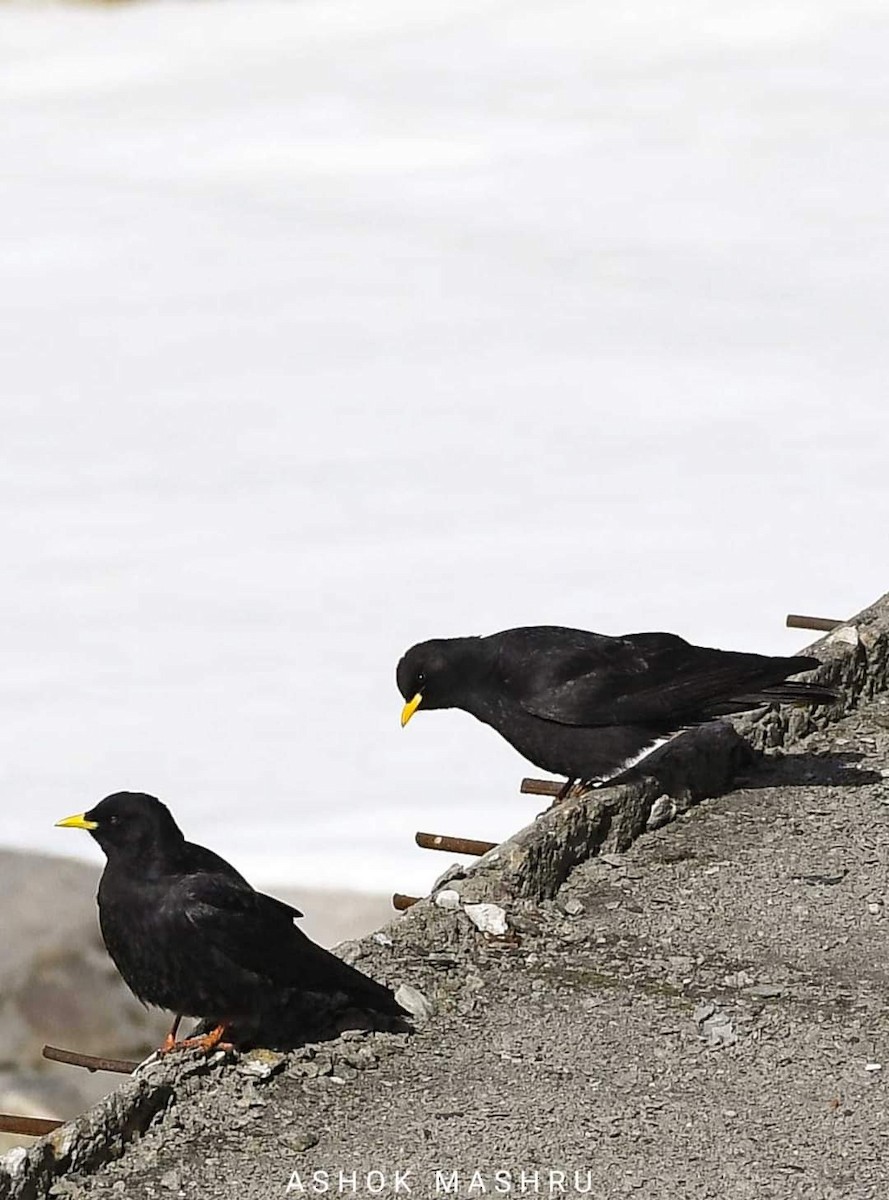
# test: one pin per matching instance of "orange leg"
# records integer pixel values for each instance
(169, 1042)
(209, 1041)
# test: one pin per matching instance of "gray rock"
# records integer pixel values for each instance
(419, 1006)
(488, 918)
(298, 1141)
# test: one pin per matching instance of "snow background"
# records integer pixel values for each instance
(330, 326)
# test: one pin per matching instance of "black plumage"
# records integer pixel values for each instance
(588, 706)
(188, 933)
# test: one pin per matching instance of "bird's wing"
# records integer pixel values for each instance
(658, 680)
(256, 932)
(249, 929)
(538, 658)
(569, 675)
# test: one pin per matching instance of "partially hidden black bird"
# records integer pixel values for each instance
(188, 933)
(588, 706)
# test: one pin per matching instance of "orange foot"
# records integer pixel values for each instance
(206, 1043)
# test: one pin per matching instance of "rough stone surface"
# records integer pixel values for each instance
(699, 1016)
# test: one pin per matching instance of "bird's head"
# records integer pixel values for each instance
(437, 674)
(130, 824)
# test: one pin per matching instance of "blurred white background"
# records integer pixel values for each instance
(330, 326)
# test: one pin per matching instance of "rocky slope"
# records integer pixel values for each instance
(702, 1016)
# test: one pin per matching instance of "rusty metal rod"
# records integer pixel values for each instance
(452, 845)
(540, 787)
(120, 1066)
(32, 1126)
(822, 624)
(400, 903)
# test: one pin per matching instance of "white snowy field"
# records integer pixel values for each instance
(330, 326)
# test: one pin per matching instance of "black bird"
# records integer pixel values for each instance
(188, 933)
(589, 706)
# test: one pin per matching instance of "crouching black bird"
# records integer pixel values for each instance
(589, 706)
(188, 933)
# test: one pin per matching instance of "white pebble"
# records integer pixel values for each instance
(489, 918)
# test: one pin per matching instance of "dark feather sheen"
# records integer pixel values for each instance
(188, 933)
(583, 704)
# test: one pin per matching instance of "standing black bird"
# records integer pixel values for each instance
(588, 706)
(188, 933)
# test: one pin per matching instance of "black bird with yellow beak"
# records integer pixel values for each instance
(588, 706)
(188, 933)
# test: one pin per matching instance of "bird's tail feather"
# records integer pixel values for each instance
(325, 972)
(789, 692)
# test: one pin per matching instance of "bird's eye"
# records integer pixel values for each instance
(421, 679)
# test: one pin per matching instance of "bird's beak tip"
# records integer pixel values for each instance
(78, 822)
(410, 708)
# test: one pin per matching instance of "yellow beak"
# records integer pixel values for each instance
(78, 822)
(410, 708)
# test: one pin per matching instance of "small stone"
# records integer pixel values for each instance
(873, 1067)
(702, 1012)
(383, 939)
(844, 633)
(418, 1005)
(448, 899)
(362, 1058)
(740, 979)
(572, 907)
(488, 918)
(14, 1161)
(317, 1067)
(261, 1064)
(765, 990)
(663, 810)
(718, 1030)
(172, 1180)
(300, 1141)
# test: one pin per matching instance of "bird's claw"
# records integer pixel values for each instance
(206, 1043)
